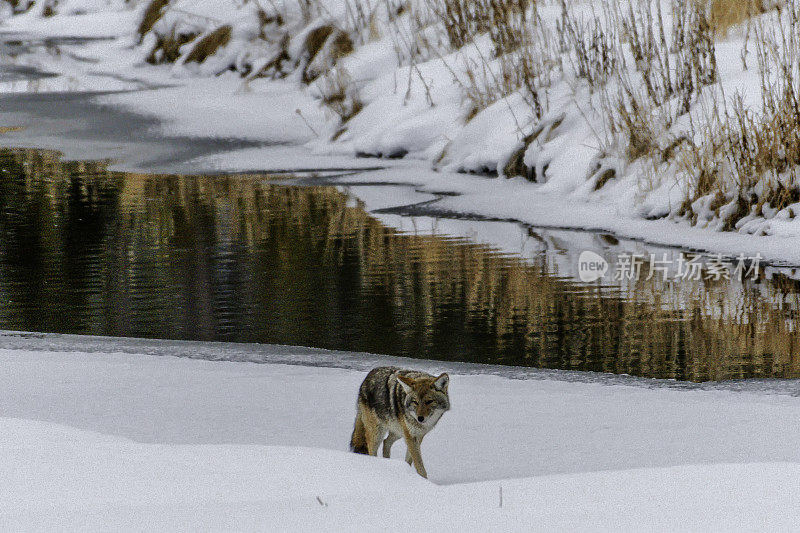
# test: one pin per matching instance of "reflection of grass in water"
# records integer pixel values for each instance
(440, 297)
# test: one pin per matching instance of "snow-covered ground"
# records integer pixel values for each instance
(155, 440)
(59, 478)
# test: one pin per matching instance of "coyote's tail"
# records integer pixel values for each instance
(358, 442)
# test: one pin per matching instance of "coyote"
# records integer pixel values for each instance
(395, 403)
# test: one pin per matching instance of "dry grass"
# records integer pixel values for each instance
(279, 65)
(727, 13)
(316, 39)
(503, 20)
(671, 64)
(671, 68)
(154, 11)
(324, 47)
(647, 68)
(515, 166)
(595, 55)
(747, 159)
(339, 95)
(50, 8)
(341, 45)
(168, 47)
(19, 6)
(641, 99)
(524, 54)
(208, 45)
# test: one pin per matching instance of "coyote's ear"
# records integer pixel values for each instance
(442, 382)
(406, 382)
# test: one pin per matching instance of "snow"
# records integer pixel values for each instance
(498, 427)
(279, 115)
(57, 478)
(274, 158)
(97, 24)
(96, 440)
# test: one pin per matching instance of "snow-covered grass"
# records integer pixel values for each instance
(126, 440)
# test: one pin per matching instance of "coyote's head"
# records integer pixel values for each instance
(426, 398)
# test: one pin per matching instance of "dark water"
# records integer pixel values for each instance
(238, 258)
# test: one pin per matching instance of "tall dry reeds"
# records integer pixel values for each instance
(748, 160)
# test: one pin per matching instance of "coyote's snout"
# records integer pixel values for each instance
(395, 403)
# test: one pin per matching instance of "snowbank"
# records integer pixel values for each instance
(58, 478)
(498, 427)
(170, 443)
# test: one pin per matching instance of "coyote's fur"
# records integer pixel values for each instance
(395, 403)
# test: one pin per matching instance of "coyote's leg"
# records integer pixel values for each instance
(358, 441)
(372, 430)
(413, 451)
(391, 438)
(408, 451)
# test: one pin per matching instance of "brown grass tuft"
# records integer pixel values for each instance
(516, 165)
(523, 57)
(325, 46)
(168, 47)
(463, 20)
(603, 177)
(154, 11)
(316, 39)
(20, 6)
(338, 96)
(727, 13)
(208, 45)
(341, 45)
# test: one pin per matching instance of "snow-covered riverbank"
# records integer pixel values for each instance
(284, 125)
(181, 443)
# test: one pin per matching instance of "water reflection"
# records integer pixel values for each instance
(238, 258)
